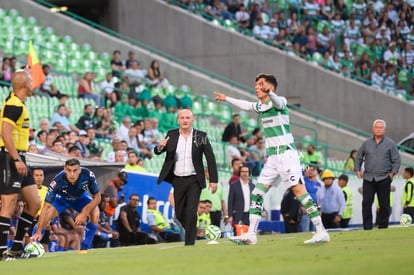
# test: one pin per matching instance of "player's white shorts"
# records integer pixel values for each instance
(284, 168)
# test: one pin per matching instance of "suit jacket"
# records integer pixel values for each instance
(201, 145)
(235, 204)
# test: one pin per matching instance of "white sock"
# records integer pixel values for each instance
(254, 224)
(317, 222)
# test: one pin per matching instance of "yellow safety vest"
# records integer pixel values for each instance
(348, 208)
(408, 193)
(159, 219)
(204, 219)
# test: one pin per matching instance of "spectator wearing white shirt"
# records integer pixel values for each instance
(260, 30)
(47, 86)
(135, 75)
(242, 15)
(123, 130)
(407, 55)
(60, 118)
(116, 146)
(383, 36)
(391, 55)
(377, 79)
(273, 29)
(108, 86)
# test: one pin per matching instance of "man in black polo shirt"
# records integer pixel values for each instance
(129, 224)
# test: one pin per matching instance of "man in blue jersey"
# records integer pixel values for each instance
(283, 163)
(69, 189)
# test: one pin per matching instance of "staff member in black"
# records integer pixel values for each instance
(15, 178)
(381, 162)
(183, 168)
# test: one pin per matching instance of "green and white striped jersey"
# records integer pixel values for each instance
(274, 115)
(276, 125)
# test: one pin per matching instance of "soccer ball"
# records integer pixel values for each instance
(35, 248)
(213, 233)
(405, 220)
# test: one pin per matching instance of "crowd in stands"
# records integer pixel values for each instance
(132, 108)
(8, 66)
(368, 40)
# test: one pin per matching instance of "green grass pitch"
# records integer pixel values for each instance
(387, 251)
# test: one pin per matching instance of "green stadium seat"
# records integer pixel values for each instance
(86, 47)
(170, 90)
(37, 30)
(19, 21)
(197, 108)
(7, 20)
(13, 13)
(265, 17)
(8, 47)
(226, 113)
(53, 38)
(67, 39)
(49, 31)
(32, 21)
(74, 47)
(317, 57)
(2, 13)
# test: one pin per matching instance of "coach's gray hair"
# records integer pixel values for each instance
(379, 121)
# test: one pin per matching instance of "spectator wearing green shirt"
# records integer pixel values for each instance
(218, 200)
(350, 162)
(312, 156)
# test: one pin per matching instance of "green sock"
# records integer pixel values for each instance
(312, 211)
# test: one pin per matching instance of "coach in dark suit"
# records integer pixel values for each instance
(238, 207)
(183, 168)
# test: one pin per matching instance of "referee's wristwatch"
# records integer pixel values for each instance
(17, 159)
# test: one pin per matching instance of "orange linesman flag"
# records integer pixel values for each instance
(38, 77)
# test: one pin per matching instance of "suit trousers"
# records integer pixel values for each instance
(215, 217)
(187, 192)
(382, 188)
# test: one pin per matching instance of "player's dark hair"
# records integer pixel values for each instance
(271, 79)
(409, 170)
(72, 162)
(208, 201)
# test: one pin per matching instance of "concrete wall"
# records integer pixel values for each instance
(102, 42)
(191, 38)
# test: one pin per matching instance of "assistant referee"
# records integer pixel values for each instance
(15, 178)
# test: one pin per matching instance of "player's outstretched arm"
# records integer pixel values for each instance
(48, 213)
(242, 104)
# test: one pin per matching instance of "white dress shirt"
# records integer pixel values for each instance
(246, 196)
(184, 161)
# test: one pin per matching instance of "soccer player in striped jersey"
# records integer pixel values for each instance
(283, 163)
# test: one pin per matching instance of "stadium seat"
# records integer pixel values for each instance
(197, 108)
